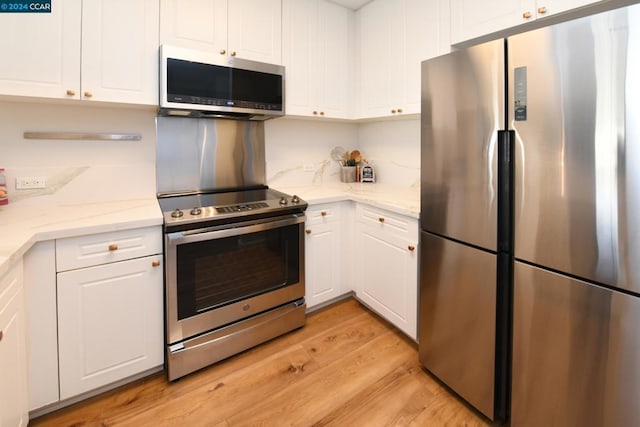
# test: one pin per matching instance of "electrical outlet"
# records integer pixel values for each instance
(29, 182)
(307, 168)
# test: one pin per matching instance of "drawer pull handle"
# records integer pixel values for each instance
(307, 231)
(381, 219)
(155, 263)
(411, 248)
(113, 247)
(323, 213)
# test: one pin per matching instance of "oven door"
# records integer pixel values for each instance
(218, 275)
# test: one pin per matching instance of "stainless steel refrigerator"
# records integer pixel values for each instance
(530, 242)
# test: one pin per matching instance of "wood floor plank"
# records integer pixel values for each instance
(345, 367)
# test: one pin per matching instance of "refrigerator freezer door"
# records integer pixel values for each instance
(462, 111)
(574, 96)
(576, 352)
(458, 318)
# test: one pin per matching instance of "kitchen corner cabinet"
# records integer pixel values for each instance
(250, 29)
(395, 37)
(471, 19)
(110, 307)
(386, 261)
(98, 50)
(13, 354)
(325, 253)
(318, 41)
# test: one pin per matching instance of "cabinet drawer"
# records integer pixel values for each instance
(322, 214)
(95, 249)
(389, 221)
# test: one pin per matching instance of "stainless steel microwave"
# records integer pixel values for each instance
(207, 84)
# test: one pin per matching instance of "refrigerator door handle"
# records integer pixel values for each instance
(506, 174)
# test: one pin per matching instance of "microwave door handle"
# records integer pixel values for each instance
(192, 236)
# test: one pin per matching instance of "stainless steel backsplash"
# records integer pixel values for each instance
(209, 154)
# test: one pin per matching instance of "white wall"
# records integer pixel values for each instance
(78, 170)
(106, 170)
(293, 143)
(392, 147)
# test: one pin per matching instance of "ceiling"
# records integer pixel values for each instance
(351, 4)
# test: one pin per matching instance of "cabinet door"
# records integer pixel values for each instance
(471, 18)
(323, 268)
(194, 24)
(334, 60)
(255, 30)
(550, 7)
(299, 55)
(387, 275)
(381, 57)
(110, 323)
(13, 364)
(41, 52)
(317, 44)
(120, 51)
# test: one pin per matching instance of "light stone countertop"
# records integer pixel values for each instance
(24, 224)
(402, 200)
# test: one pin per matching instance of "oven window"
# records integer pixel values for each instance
(217, 272)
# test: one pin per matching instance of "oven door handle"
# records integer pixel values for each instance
(199, 235)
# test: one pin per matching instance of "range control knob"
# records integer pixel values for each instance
(196, 211)
(295, 199)
(177, 213)
(283, 201)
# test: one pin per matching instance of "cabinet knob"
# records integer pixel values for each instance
(399, 110)
(411, 248)
(393, 111)
(1, 334)
(155, 263)
(542, 10)
(381, 219)
(71, 92)
(223, 51)
(323, 213)
(322, 113)
(526, 15)
(233, 53)
(113, 247)
(307, 231)
(88, 94)
(315, 113)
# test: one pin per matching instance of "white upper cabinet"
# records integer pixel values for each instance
(317, 53)
(41, 52)
(394, 38)
(250, 29)
(120, 51)
(471, 19)
(102, 50)
(194, 24)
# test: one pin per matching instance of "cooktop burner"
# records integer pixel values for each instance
(208, 207)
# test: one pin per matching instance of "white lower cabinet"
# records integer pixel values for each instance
(13, 357)
(109, 323)
(95, 307)
(324, 253)
(386, 263)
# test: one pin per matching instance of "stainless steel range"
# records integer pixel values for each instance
(234, 248)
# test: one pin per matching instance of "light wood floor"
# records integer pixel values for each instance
(346, 367)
